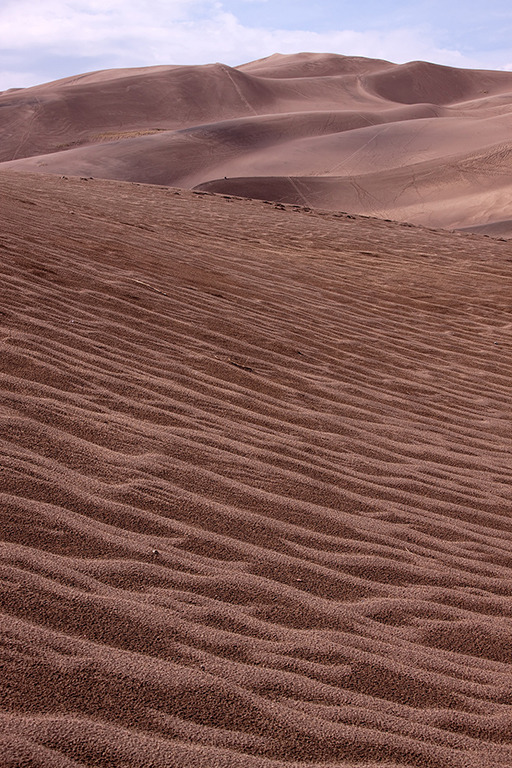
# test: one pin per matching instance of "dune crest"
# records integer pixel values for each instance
(255, 501)
(363, 135)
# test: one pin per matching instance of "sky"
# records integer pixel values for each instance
(43, 40)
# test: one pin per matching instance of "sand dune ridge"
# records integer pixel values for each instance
(333, 123)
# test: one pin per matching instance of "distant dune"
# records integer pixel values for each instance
(417, 142)
(255, 505)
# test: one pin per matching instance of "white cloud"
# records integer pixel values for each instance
(399, 45)
(60, 25)
(56, 38)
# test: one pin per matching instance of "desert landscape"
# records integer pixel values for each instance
(256, 453)
(416, 142)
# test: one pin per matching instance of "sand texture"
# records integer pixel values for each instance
(254, 487)
(415, 142)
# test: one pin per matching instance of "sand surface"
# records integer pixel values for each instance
(254, 487)
(416, 142)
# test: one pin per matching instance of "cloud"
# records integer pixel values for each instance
(398, 45)
(48, 39)
(60, 25)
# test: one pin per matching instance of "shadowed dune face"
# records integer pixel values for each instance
(359, 135)
(255, 499)
(420, 82)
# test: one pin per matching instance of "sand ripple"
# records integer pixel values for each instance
(255, 484)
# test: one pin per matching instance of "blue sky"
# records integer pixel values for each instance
(42, 40)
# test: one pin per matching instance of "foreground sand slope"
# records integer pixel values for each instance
(417, 142)
(255, 500)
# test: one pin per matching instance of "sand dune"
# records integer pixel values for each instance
(467, 190)
(358, 135)
(255, 497)
(496, 229)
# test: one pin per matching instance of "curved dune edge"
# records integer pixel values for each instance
(256, 466)
(459, 196)
(420, 142)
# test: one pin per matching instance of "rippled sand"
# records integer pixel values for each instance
(255, 484)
